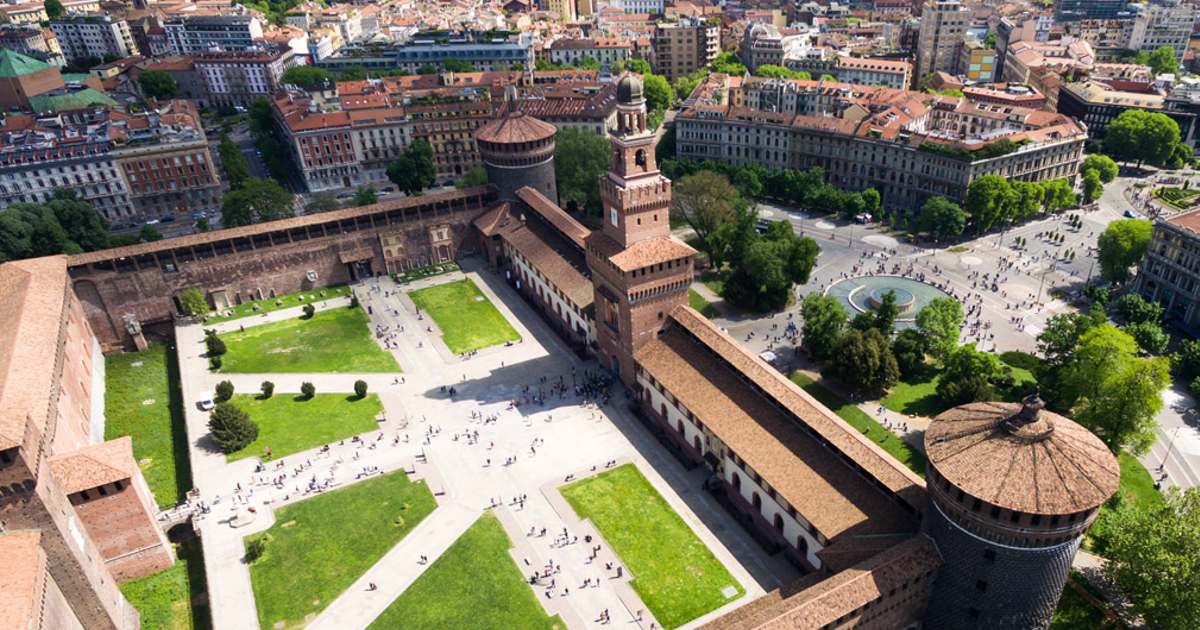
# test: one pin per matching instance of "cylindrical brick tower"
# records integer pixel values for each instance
(518, 151)
(1012, 489)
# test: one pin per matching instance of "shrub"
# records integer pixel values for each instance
(214, 363)
(215, 346)
(308, 389)
(309, 311)
(353, 301)
(231, 428)
(360, 388)
(224, 391)
(268, 388)
(255, 547)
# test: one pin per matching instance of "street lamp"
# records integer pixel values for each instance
(1170, 445)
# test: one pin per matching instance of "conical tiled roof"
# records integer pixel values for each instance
(14, 64)
(515, 127)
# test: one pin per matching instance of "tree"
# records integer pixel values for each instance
(306, 77)
(149, 234)
(824, 322)
(1141, 136)
(886, 313)
(864, 360)
(657, 91)
(1149, 337)
(54, 9)
(223, 392)
(268, 389)
(214, 345)
(942, 218)
(1135, 309)
(705, 200)
(1153, 556)
(1161, 61)
(158, 84)
(477, 176)
(774, 71)
(309, 311)
(360, 388)
(938, 322)
(1092, 186)
(193, 302)
(365, 196)
(871, 200)
(990, 198)
(1188, 358)
(307, 389)
(1058, 195)
(457, 65)
(1122, 410)
(1101, 351)
(255, 548)
(237, 169)
(728, 63)
(909, 349)
(638, 66)
(1057, 342)
(580, 157)
(759, 280)
(1102, 164)
(322, 202)
(414, 171)
(968, 376)
(231, 428)
(684, 85)
(64, 224)
(1121, 246)
(258, 200)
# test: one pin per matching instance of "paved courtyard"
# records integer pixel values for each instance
(475, 449)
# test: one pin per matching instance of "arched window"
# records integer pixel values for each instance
(696, 443)
(778, 522)
(801, 543)
(680, 426)
(737, 482)
(639, 158)
(756, 501)
(664, 410)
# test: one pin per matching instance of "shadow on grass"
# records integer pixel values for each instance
(179, 437)
(916, 393)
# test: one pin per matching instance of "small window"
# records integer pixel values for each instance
(973, 613)
(989, 555)
(981, 586)
(103, 491)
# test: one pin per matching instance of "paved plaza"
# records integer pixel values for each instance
(475, 450)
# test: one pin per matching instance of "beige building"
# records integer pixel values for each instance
(943, 27)
(685, 46)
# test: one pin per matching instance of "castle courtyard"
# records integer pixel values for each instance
(525, 419)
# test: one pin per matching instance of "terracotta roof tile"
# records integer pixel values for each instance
(550, 211)
(515, 127)
(94, 465)
(32, 294)
(19, 581)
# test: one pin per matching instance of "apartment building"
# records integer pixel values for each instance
(238, 77)
(1163, 23)
(606, 50)
(189, 34)
(32, 41)
(486, 52)
(1096, 103)
(943, 27)
(35, 12)
(83, 36)
(907, 145)
(684, 46)
(1170, 272)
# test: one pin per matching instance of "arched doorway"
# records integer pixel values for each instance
(802, 543)
(756, 501)
(737, 483)
(778, 522)
(696, 443)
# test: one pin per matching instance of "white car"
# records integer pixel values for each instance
(206, 404)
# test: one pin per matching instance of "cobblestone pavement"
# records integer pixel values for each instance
(426, 433)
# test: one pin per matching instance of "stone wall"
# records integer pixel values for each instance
(279, 257)
(125, 530)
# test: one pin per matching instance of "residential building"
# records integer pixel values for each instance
(606, 50)
(22, 78)
(1047, 65)
(1074, 10)
(636, 7)
(909, 146)
(1096, 103)
(1015, 94)
(35, 12)
(684, 46)
(189, 34)
(1163, 23)
(32, 41)
(485, 52)
(979, 64)
(1170, 272)
(99, 36)
(564, 9)
(236, 78)
(1107, 37)
(943, 28)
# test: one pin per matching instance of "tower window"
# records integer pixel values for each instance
(981, 586)
(989, 555)
(973, 613)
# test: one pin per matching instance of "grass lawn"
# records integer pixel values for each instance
(424, 272)
(675, 574)
(289, 424)
(697, 301)
(908, 455)
(319, 546)
(474, 584)
(1075, 612)
(467, 319)
(1136, 487)
(714, 280)
(916, 394)
(267, 305)
(334, 340)
(166, 600)
(159, 433)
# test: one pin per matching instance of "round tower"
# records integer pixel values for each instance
(518, 151)
(1012, 489)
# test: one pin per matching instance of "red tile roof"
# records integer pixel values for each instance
(95, 465)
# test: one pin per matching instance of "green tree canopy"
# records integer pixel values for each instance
(64, 224)
(257, 201)
(968, 376)
(193, 302)
(414, 170)
(477, 176)
(639, 66)
(1141, 136)
(231, 428)
(365, 196)
(1153, 556)
(1093, 186)
(158, 84)
(322, 202)
(1122, 245)
(774, 71)
(864, 360)
(54, 9)
(1161, 61)
(1135, 309)
(728, 63)
(149, 234)
(237, 169)
(705, 200)
(939, 322)
(824, 324)
(1122, 411)
(1149, 337)
(580, 157)
(307, 77)
(942, 218)
(909, 350)
(990, 198)
(659, 94)
(1102, 164)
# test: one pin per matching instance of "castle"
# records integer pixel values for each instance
(985, 541)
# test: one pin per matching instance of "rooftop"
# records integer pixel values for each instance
(14, 64)
(95, 465)
(1024, 459)
(21, 577)
(515, 127)
(34, 293)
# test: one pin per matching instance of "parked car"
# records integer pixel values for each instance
(1130, 214)
(206, 405)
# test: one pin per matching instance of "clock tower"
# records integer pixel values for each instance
(639, 271)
